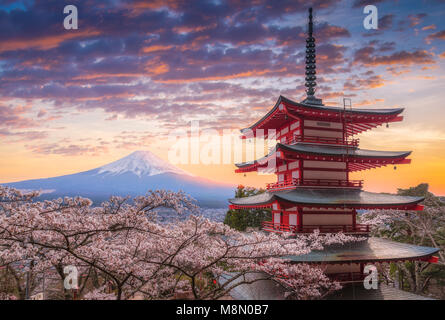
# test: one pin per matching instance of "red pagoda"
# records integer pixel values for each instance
(313, 158)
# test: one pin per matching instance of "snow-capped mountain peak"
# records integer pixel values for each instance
(141, 163)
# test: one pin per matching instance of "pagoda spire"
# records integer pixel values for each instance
(310, 65)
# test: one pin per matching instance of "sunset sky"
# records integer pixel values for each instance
(134, 71)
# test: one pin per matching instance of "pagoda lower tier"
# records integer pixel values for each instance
(342, 263)
(329, 210)
(345, 263)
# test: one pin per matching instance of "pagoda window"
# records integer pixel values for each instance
(280, 177)
(295, 174)
(293, 165)
(293, 219)
(295, 125)
(277, 218)
(282, 168)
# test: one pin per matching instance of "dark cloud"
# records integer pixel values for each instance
(416, 19)
(368, 57)
(439, 35)
(364, 3)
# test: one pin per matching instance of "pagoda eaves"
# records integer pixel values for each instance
(286, 112)
(327, 198)
(356, 159)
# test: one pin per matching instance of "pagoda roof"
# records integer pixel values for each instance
(358, 119)
(324, 197)
(261, 289)
(361, 111)
(325, 152)
(370, 250)
(340, 151)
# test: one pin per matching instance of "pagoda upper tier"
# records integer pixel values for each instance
(350, 121)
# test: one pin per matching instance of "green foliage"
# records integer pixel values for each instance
(422, 191)
(242, 219)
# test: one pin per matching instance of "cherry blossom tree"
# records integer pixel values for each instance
(124, 251)
(424, 228)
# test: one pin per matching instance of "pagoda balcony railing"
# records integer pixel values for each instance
(282, 227)
(324, 140)
(290, 184)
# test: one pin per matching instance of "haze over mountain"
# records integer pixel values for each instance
(132, 175)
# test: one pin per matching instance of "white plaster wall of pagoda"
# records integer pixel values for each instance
(340, 268)
(324, 164)
(324, 134)
(277, 218)
(312, 174)
(326, 209)
(293, 219)
(323, 124)
(326, 219)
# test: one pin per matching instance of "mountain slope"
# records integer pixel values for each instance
(132, 175)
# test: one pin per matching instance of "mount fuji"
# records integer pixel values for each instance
(132, 175)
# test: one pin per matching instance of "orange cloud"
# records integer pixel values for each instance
(367, 102)
(156, 67)
(156, 48)
(105, 75)
(105, 97)
(247, 74)
(184, 29)
(430, 27)
(45, 43)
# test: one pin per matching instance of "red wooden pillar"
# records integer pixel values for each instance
(300, 172)
(302, 128)
(299, 218)
(354, 219)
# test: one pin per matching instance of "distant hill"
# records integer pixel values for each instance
(132, 175)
